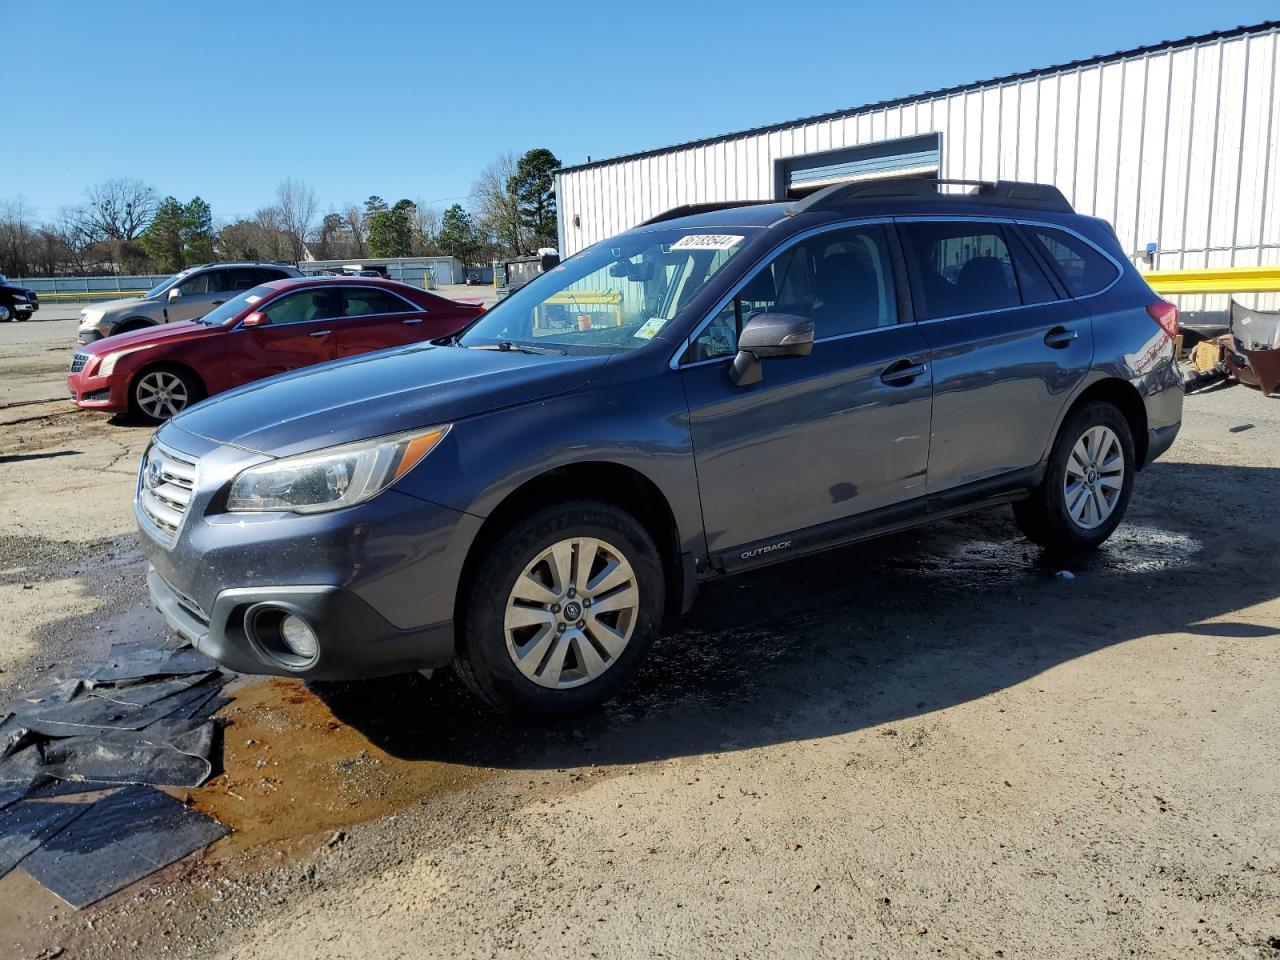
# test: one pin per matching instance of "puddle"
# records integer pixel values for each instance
(292, 770)
(1133, 548)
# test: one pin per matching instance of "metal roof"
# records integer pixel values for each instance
(1264, 27)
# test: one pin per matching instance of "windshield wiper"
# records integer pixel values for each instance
(509, 346)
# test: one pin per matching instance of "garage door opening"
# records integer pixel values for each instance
(906, 157)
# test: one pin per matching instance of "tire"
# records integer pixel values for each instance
(573, 658)
(129, 326)
(1082, 500)
(160, 392)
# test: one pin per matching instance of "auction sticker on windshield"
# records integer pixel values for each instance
(707, 241)
(649, 329)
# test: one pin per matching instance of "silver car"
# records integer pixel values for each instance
(184, 296)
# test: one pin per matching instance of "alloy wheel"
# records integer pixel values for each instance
(1094, 477)
(161, 394)
(571, 612)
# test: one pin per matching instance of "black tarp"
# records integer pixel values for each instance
(121, 838)
(142, 718)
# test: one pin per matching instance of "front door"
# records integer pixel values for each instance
(785, 463)
(1007, 346)
(299, 331)
(198, 294)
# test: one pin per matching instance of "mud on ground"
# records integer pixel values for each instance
(930, 744)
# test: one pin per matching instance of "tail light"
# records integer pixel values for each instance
(1166, 315)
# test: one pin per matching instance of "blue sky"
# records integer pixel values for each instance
(225, 98)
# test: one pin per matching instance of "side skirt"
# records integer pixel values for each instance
(1005, 489)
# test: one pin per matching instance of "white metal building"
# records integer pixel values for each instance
(1175, 144)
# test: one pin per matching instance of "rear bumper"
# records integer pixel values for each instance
(354, 639)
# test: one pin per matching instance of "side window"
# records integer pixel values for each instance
(198, 285)
(842, 280)
(1083, 269)
(305, 306)
(241, 279)
(369, 301)
(962, 267)
(267, 274)
(1032, 281)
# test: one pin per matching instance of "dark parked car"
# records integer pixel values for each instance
(16, 303)
(283, 325)
(704, 394)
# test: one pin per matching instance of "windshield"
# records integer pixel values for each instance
(617, 295)
(230, 309)
(160, 287)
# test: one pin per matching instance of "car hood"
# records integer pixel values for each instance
(379, 393)
(109, 307)
(150, 336)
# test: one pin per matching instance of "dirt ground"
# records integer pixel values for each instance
(934, 744)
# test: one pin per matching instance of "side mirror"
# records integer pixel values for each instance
(175, 294)
(255, 319)
(769, 335)
(550, 261)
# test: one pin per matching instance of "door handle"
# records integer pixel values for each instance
(1060, 337)
(902, 372)
(319, 333)
(410, 321)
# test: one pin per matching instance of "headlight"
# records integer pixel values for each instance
(90, 318)
(333, 478)
(108, 363)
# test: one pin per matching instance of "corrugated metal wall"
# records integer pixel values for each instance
(1176, 147)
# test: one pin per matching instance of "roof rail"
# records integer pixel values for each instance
(689, 209)
(1004, 193)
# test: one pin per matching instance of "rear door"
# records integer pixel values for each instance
(299, 331)
(1007, 346)
(783, 464)
(374, 318)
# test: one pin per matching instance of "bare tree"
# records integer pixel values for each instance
(493, 198)
(353, 213)
(297, 206)
(17, 238)
(117, 209)
(425, 223)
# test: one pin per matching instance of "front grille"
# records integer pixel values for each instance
(165, 487)
(79, 361)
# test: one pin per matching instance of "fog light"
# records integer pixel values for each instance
(298, 637)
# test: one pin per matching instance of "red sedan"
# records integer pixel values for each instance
(272, 328)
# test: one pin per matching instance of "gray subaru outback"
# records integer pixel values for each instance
(720, 388)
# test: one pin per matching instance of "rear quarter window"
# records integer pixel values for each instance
(1083, 268)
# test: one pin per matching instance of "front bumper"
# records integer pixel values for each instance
(354, 639)
(376, 582)
(97, 393)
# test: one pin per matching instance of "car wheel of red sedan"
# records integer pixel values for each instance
(163, 392)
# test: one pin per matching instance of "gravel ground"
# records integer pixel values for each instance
(932, 744)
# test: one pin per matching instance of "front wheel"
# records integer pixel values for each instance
(562, 611)
(1087, 483)
(164, 392)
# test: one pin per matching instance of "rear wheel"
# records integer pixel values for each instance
(1087, 483)
(562, 611)
(163, 392)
